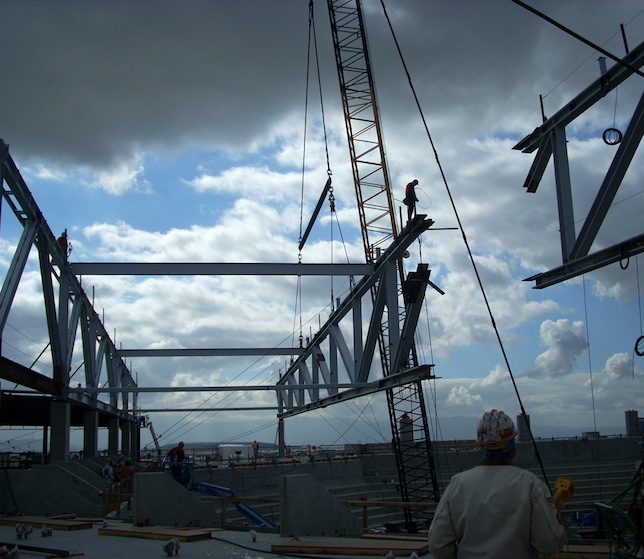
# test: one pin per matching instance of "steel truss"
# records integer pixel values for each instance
(69, 312)
(549, 140)
(329, 353)
(72, 323)
(315, 377)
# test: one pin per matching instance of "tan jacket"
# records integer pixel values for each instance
(495, 512)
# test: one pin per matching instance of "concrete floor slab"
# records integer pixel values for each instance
(89, 543)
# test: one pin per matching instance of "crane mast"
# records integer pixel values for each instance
(407, 414)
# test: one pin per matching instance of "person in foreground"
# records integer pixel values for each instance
(496, 510)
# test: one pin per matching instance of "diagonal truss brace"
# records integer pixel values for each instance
(549, 140)
(329, 356)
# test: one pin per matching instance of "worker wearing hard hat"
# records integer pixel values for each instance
(496, 509)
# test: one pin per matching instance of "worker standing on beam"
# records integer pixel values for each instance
(496, 509)
(410, 199)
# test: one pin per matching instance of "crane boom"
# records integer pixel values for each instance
(407, 414)
(362, 120)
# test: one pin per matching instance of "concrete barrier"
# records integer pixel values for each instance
(308, 509)
(51, 490)
(265, 478)
(159, 500)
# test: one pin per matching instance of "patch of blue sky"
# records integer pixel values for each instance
(610, 327)
(502, 135)
(471, 361)
(587, 130)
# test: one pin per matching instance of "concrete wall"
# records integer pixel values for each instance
(308, 509)
(51, 490)
(159, 500)
(589, 450)
(260, 479)
(74, 487)
(553, 453)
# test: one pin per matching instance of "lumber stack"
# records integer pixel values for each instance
(378, 548)
(156, 533)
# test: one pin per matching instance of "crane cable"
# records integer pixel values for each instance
(297, 310)
(326, 142)
(317, 62)
(331, 197)
(467, 246)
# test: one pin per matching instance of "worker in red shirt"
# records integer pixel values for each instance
(176, 456)
(126, 468)
(126, 471)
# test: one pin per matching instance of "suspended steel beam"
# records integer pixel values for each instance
(316, 211)
(414, 296)
(217, 269)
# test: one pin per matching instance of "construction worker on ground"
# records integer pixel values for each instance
(176, 456)
(496, 510)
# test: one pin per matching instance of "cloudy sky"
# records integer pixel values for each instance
(167, 132)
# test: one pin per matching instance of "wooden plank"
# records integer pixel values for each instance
(599, 551)
(36, 522)
(385, 503)
(156, 533)
(97, 520)
(351, 547)
(401, 537)
(49, 551)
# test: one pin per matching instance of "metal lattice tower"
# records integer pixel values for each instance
(410, 431)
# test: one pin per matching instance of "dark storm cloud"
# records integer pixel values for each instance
(90, 82)
(87, 81)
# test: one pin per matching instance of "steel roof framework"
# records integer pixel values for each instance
(549, 140)
(68, 310)
(71, 318)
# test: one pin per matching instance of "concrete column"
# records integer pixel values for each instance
(281, 444)
(632, 423)
(126, 437)
(45, 443)
(136, 440)
(90, 434)
(60, 416)
(523, 427)
(113, 436)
